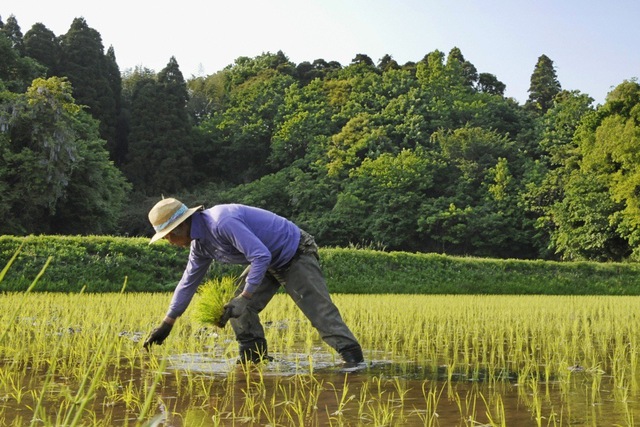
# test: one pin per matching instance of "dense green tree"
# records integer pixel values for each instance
(359, 139)
(304, 126)
(544, 85)
(61, 180)
(362, 59)
(472, 151)
(446, 78)
(206, 95)
(447, 100)
(319, 69)
(82, 57)
(16, 72)
(368, 116)
(489, 83)
(281, 63)
(132, 81)
(306, 73)
(431, 74)
(505, 229)
(173, 81)
(390, 100)
(382, 198)
(12, 31)
(239, 137)
(596, 216)
(425, 156)
(112, 100)
(582, 219)
(387, 63)
(355, 91)
(559, 125)
(245, 68)
(613, 151)
(41, 44)
(91, 73)
(407, 122)
(270, 192)
(115, 125)
(475, 209)
(461, 69)
(558, 161)
(160, 150)
(326, 67)
(324, 135)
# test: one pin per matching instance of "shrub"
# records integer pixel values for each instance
(102, 263)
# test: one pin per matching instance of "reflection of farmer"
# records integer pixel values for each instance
(278, 253)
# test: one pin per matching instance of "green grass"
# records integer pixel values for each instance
(101, 264)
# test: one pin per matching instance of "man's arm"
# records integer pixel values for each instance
(193, 275)
(187, 287)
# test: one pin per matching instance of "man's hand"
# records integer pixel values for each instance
(158, 335)
(226, 315)
(236, 306)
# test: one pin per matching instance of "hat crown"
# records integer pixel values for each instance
(168, 214)
(164, 211)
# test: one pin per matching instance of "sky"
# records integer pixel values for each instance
(592, 43)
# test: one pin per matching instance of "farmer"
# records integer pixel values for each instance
(277, 252)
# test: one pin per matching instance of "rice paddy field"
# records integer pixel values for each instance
(77, 359)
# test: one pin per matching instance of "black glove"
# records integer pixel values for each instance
(236, 306)
(226, 315)
(233, 308)
(158, 335)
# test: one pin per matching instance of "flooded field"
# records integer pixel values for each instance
(430, 361)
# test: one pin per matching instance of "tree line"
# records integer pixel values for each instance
(426, 156)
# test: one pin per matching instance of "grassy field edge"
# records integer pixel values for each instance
(103, 263)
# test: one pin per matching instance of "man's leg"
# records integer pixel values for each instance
(305, 284)
(248, 329)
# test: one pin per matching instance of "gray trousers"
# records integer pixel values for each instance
(303, 280)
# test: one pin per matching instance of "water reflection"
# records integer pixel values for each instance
(207, 389)
(386, 392)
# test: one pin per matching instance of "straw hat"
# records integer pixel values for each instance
(167, 214)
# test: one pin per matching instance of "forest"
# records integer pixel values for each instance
(426, 156)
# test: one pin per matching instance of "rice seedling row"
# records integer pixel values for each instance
(77, 359)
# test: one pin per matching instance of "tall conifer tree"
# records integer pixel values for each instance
(159, 159)
(116, 143)
(12, 30)
(544, 85)
(41, 44)
(84, 63)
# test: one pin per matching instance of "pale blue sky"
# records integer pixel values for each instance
(594, 44)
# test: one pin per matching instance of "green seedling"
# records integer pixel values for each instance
(212, 297)
(464, 360)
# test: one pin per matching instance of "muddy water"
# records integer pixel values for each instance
(204, 389)
(389, 393)
(292, 390)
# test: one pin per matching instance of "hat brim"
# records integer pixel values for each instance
(160, 234)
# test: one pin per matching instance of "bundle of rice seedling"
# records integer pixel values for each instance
(211, 298)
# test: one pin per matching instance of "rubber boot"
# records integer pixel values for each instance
(352, 355)
(254, 352)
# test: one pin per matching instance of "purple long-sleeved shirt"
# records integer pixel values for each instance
(234, 234)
